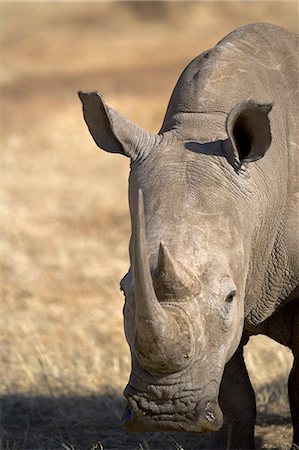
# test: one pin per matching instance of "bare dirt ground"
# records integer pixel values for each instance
(65, 224)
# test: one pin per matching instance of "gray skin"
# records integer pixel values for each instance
(214, 247)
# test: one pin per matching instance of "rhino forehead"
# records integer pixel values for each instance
(189, 180)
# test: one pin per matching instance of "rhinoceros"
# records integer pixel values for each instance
(214, 250)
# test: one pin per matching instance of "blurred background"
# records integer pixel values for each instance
(65, 224)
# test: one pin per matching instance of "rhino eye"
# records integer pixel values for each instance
(230, 297)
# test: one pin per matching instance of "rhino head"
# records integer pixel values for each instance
(190, 200)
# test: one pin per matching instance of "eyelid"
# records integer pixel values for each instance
(229, 287)
(231, 291)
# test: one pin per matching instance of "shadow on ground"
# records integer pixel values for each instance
(93, 422)
(36, 422)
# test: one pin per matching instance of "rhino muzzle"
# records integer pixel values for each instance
(143, 415)
(164, 337)
(179, 401)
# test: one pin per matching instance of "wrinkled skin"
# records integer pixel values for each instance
(214, 246)
(211, 248)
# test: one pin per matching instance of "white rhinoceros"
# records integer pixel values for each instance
(215, 243)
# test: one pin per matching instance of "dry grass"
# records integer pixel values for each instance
(64, 360)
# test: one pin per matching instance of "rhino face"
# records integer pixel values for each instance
(183, 323)
(184, 292)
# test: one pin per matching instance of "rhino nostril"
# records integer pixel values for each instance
(127, 415)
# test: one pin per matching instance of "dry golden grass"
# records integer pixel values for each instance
(65, 224)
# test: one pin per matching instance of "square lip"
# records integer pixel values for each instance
(142, 422)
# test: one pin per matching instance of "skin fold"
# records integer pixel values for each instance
(214, 248)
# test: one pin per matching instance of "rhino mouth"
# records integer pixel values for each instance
(187, 415)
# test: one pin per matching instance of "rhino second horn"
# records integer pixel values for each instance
(172, 281)
(163, 336)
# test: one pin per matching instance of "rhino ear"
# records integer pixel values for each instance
(113, 132)
(249, 133)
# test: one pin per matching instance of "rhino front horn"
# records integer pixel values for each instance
(172, 281)
(163, 338)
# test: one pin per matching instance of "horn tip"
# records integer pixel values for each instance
(163, 250)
